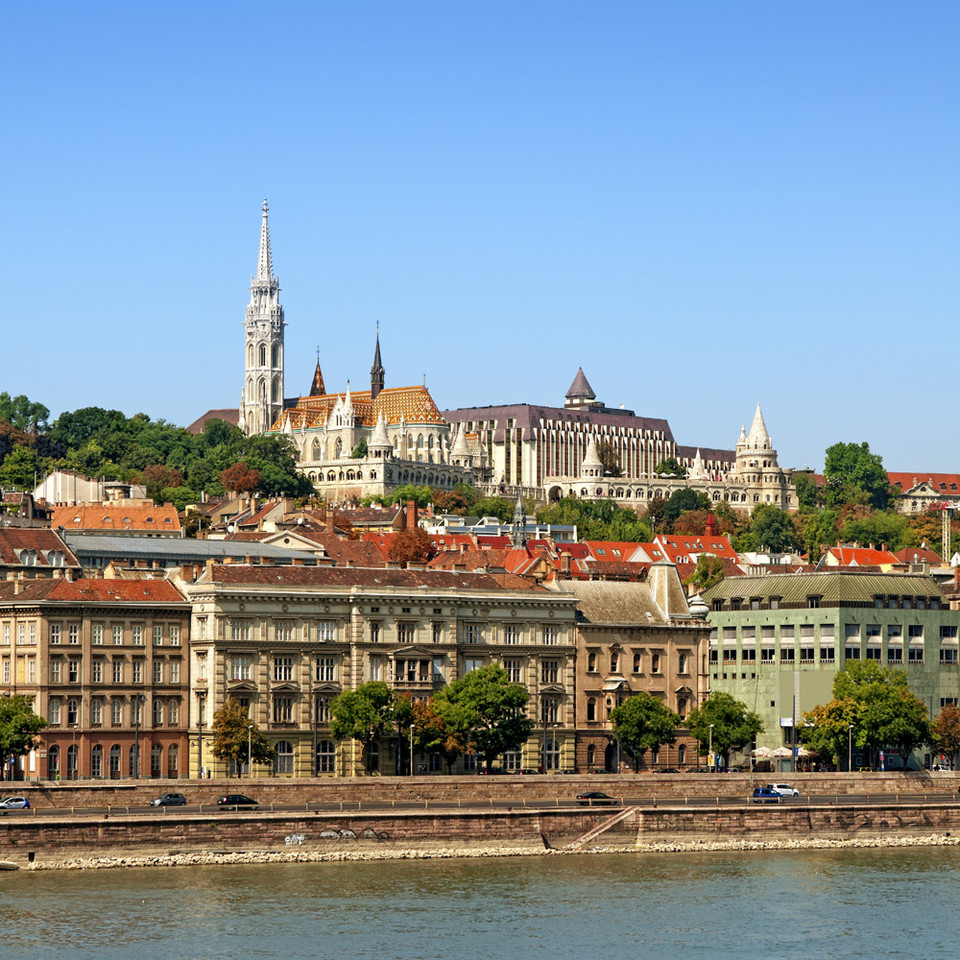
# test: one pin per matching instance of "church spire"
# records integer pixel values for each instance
(265, 260)
(376, 371)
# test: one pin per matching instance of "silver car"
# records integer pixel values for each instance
(784, 789)
(14, 803)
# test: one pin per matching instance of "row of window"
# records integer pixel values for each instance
(60, 712)
(814, 601)
(114, 757)
(656, 662)
(851, 632)
(99, 632)
(828, 654)
(162, 671)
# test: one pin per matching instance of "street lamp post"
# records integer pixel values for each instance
(250, 750)
(850, 749)
(200, 696)
(713, 766)
(138, 700)
(73, 772)
(313, 765)
(411, 749)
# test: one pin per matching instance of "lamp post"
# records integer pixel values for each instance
(850, 749)
(713, 766)
(138, 701)
(314, 763)
(250, 750)
(411, 749)
(73, 751)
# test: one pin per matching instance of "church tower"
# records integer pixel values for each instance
(377, 372)
(262, 399)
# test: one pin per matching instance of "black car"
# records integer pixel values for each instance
(236, 800)
(594, 798)
(169, 800)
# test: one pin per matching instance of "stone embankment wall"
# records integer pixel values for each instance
(518, 789)
(56, 838)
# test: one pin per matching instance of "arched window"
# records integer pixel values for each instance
(591, 755)
(54, 711)
(96, 712)
(156, 760)
(72, 762)
(275, 391)
(114, 770)
(263, 355)
(73, 712)
(326, 757)
(96, 762)
(53, 762)
(338, 448)
(283, 759)
(315, 449)
(249, 354)
(158, 713)
(275, 355)
(173, 712)
(682, 753)
(173, 761)
(682, 663)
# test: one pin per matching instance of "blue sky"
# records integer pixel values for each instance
(703, 204)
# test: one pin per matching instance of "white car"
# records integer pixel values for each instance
(784, 789)
(14, 803)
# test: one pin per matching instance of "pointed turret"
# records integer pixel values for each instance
(317, 389)
(376, 371)
(580, 391)
(592, 465)
(697, 471)
(759, 439)
(519, 538)
(379, 444)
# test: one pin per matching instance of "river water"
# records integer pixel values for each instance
(773, 905)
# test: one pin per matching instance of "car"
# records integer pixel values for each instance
(236, 800)
(594, 798)
(169, 800)
(14, 803)
(784, 789)
(765, 795)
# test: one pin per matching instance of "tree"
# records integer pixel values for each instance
(642, 723)
(20, 469)
(359, 451)
(22, 413)
(609, 457)
(707, 573)
(240, 478)
(877, 701)
(412, 546)
(877, 527)
(232, 735)
(596, 519)
(157, 477)
(820, 529)
(808, 493)
(366, 714)
(945, 733)
(771, 529)
(852, 474)
(431, 736)
(734, 726)
(498, 507)
(670, 468)
(19, 728)
(485, 711)
(683, 500)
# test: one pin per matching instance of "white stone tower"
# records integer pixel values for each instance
(262, 399)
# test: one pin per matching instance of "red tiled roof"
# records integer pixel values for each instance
(862, 556)
(410, 404)
(39, 539)
(945, 483)
(118, 517)
(915, 554)
(92, 591)
(230, 414)
(611, 549)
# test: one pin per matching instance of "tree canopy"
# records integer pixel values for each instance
(485, 711)
(642, 722)
(734, 726)
(367, 714)
(232, 736)
(770, 529)
(877, 702)
(945, 733)
(19, 728)
(852, 474)
(596, 519)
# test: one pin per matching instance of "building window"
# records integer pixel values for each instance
(239, 668)
(54, 633)
(158, 636)
(55, 671)
(748, 654)
(282, 669)
(874, 652)
(915, 654)
(374, 631)
(325, 670)
(173, 712)
(614, 662)
(326, 631)
(591, 708)
(282, 709)
(827, 654)
(549, 670)
(137, 671)
(767, 654)
(54, 713)
(240, 630)
(948, 654)
(438, 633)
(322, 710)
(852, 653)
(551, 635)
(655, 661)
(807, 655)
(97, 634)
(511, 634)
(637, 663)
(326, 756)
(472, 633)
(173, 761)
(472, 663)
(682, 753)
(283, 758)
(116, 712)
(137, 635)
(438, 670)
(284, 631)
(158, 713)
(96, 762)
(156, 760)
(551, 710)
(894, 654)
(174, 671)
(117, 636)
(514, 670)
(96, 712)
(73, 633)
(406, 632)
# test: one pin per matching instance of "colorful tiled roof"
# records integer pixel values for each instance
(38, 541)
(946, 483)
(410, 404)
(92, 591)
(118, 518)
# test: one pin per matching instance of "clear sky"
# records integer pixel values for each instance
(703, 204)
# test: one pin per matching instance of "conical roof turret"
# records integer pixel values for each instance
(379, 437)
(758, 431)
(580, 389)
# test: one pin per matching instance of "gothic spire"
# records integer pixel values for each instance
(317, 389)
(376, 371)
(758, 431)
(265, 260)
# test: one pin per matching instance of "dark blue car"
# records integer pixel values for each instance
(765, 795)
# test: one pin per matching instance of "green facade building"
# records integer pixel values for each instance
(777, 642)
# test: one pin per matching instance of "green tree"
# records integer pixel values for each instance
(22, 413)
(945, 733)
(19, 728)
(734, 726)
(421, 495)
(877, 701)
(366, 715)
(359, 451)
(21, 469)
(498, 507)
(232, 735)
(770, 529)
(808, 493)
(707, 573)
(878, 527)
(681, 501)
(670, 468)
(485, 711)
(819, 530)
(852, 474)
(157, 477)
(596, 519)
(642, 722)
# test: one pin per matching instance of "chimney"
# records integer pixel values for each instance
(566, 562)
(411, 514)
(329, 518)
(68, 573)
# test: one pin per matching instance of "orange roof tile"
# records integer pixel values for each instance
(410, 404)
(118, 517)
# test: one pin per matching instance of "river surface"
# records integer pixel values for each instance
(772, 905)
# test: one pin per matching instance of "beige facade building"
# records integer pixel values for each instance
(285, 642)
(634, 637)
(104, 661)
